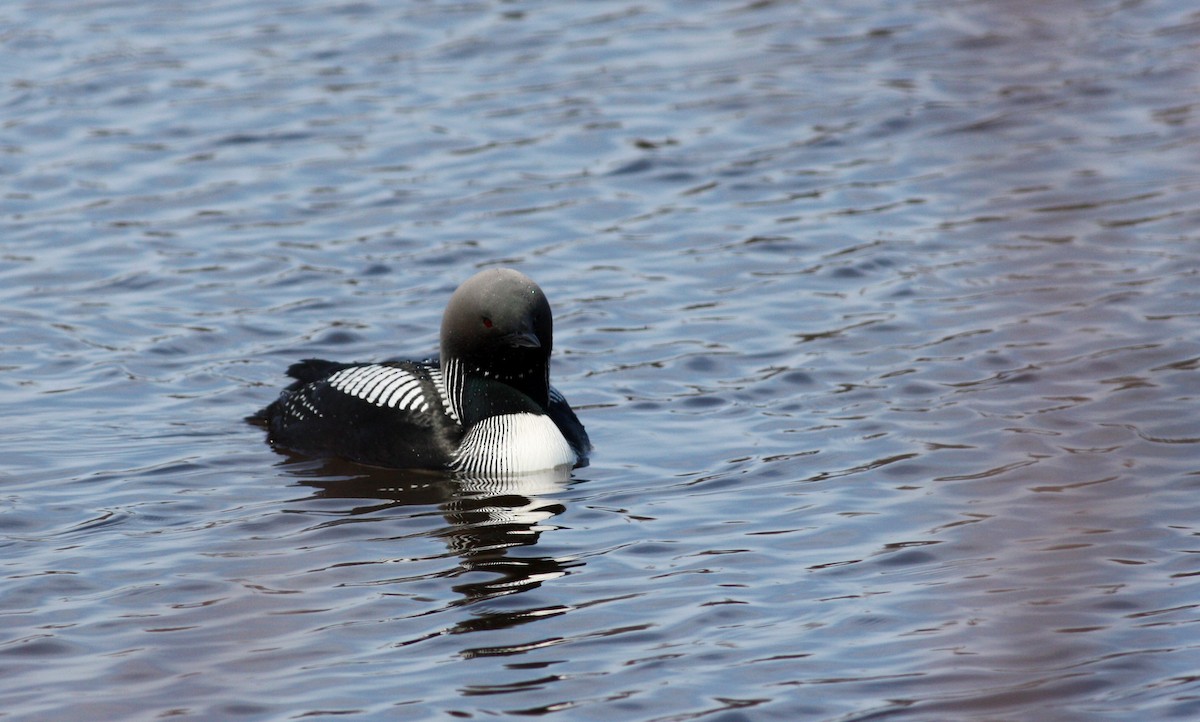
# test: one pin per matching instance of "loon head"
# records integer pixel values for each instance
(498, 326)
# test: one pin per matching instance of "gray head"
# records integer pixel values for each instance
(498, 325)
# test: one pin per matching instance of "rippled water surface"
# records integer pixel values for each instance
(883, 318)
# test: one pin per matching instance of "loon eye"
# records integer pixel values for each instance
(487, 322)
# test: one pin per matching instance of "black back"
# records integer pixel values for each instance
(356, 429)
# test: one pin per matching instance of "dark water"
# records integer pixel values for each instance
(883, 318)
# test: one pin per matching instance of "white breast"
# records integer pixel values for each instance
(513, 444)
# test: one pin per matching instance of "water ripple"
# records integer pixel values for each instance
(882, 323)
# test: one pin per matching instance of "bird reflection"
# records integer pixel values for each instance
(486, 518)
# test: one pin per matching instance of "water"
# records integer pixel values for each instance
(882, 318)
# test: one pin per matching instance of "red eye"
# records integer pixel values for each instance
(487, 322)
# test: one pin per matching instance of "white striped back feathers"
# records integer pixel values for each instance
(385, 386)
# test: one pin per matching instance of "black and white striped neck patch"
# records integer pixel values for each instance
(385, 386)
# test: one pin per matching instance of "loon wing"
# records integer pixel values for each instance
(313, 369)
(387, 414)
(568, 423)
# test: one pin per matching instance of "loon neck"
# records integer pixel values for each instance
(476, 393)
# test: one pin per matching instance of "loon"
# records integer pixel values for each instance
(485, 406)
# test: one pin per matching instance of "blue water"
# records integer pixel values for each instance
(881, 316)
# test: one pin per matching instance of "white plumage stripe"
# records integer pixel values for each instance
(439, 382)
(410, 399)
(357, 378)
(370, 390)
(351, 380)
(386, 386)
(394, 393)
(386, 381)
